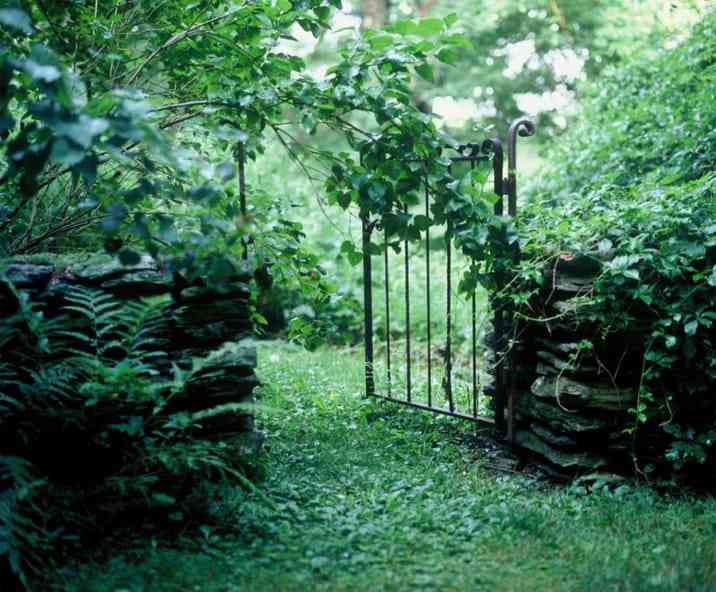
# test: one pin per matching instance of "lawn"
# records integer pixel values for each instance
(368, 496)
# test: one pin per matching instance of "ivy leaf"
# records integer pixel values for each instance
(604, 246)
(83, 131)
(712, 278)
(691, 327)
(405, 27)
(16, 19)
(353, 255)
(451, 19)
(381, 42)
(374, 249)
(64, 153)
(41, 72)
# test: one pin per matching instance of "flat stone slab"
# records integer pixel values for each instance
(569, 392)
(570, 461)
(559, 420)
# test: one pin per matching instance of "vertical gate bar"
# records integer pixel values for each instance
(448, 345)
(474, 339)
(387, 313)
(494, 145)
(367, 308)
(499, 368)
(427, 287)
(407, 318)
(497, 172)
(242, 191)
(474, 354)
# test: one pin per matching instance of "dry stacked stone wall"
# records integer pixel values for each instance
(573, 397)
(198, 323)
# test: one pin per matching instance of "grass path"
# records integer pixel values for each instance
(371, 497)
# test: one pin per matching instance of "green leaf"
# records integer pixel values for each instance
(405, 27)
(163, 499)
(381, 42)
(421, 222)
(425, 71)
(429, 27)
(458, 41)
(448, 55)
(16, 19)
(374, 249)
(451, 19)
(376, 190)
(604, 246)
(691, 327)
(712, 278)
(355, 257)
(83, 131)
(41, 72)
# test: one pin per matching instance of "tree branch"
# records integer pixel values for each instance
(178, 38)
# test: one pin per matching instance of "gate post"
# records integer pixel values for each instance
(494, 145)
(367, 306)
(525, 128)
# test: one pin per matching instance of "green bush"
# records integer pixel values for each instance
(93, 438)
(635, 185)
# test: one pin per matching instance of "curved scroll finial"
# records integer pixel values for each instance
(524, 127)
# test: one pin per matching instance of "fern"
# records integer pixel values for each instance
(114, 329)
(23, 540)
(100, 371)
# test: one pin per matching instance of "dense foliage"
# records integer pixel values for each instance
(96, 433)
(82, 151)
(86, 165)
(135, 128)
(635, 186)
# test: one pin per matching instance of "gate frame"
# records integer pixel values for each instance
(503, 319)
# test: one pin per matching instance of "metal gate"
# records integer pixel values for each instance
(468, 404)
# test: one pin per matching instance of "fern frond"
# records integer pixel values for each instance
(75, 335)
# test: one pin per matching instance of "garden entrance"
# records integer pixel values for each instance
(415, 290)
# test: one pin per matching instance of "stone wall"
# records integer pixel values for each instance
(572, 399)
(198, 323)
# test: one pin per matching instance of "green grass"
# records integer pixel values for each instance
(371, 497)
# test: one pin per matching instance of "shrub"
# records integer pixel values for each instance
(93, 436)
(636, 188)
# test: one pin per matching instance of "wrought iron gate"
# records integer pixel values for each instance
(468, 407)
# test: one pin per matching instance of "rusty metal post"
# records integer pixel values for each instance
(368, 307)
(494, 146)
(522, 127)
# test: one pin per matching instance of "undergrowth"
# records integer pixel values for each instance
(368, 496)
(94, 443)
